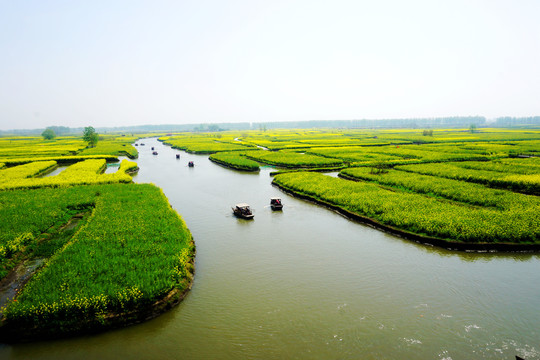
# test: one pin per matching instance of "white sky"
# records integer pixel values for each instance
(114, 63)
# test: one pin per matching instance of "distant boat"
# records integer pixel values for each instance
(178, 156)
(276, 204)
(136, 144)
(152, 148)
(142, 144)
(243, 211)
(154, 153)
(191, 164)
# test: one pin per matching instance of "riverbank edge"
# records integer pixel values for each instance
(421, 239)
(229, 166)
(11, 333)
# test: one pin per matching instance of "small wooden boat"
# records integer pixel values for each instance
(178, 156)
(142, 144)
(191, 164)
(243, 211)
(152, 148)
(136, 144)
(154, 152)
(276, 204)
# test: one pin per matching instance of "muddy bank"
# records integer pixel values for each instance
(421, 239)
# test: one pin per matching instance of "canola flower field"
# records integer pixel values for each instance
(112, 265)
(110, 270)
(420, 214)
(459, 186)
(455, 186)
(235, 160)
(335, 148)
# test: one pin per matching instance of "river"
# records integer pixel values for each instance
(307, 283)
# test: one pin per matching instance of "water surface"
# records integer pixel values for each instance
(307, 283)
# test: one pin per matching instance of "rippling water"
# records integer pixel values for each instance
(307, 283)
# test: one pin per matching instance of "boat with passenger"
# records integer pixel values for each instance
(276, 204)
(242, 210)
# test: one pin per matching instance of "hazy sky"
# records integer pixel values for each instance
(113, 63)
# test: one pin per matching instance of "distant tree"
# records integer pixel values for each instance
(472, 128)
(48, 134)
(428, 132)
(90, 136)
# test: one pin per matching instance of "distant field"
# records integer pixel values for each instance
(453, 186)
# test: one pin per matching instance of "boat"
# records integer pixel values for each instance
(191, 164)
(276, 204)
(243, 211)
(178, 156)
(152, 148)
(154, 152)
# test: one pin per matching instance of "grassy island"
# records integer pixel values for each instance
(504, 221)
(132, 257)
(234, 160)
(86, 251)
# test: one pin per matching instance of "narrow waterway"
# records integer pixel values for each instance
(307, 283)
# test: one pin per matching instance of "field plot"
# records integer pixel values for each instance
(25, 171)
(20, 150)
(113, 264)
(292, 159)
(528, 183)
(461, 191)
(112, 252)
(235, 160)
(455, 186)
(420, 214)
(81, 173)
(34, 147)
(204, 144)
(113, 145)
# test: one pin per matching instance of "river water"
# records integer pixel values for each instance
(307, 283)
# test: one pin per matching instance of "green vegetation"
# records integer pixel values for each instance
(460, 191)
(292, 159)
(81, 173)
(59, 159)
(204, 143)
(113, 265)
(132, 252)
(29, 170)
(33, 214)
(27, 149)
(48, 134)
(34, 147)
(130, 258)
(235, 160)
(113, 145)
(527, 183)
(90, 136)
(420, 214)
